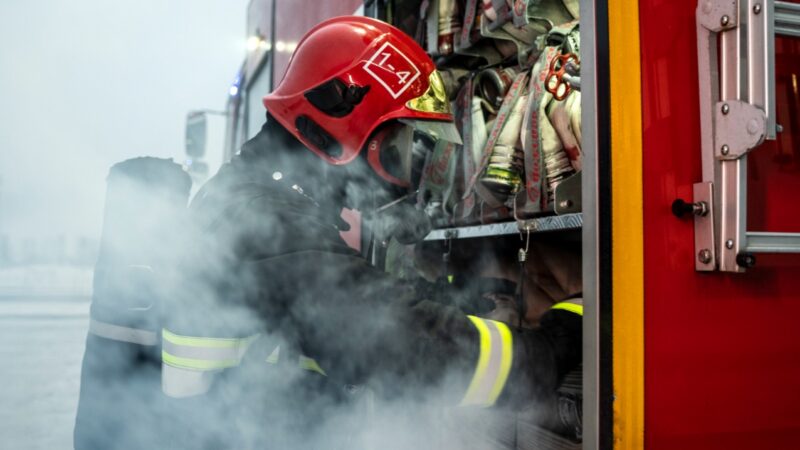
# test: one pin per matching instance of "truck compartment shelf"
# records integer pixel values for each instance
(537, 225)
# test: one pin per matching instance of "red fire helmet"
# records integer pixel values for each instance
(351, 74)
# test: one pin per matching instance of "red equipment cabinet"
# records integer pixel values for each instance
(721, 350)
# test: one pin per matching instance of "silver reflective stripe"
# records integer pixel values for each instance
(177, 382)
(483, 383)
(203, 353)
(206, 353)
(494, 362)
(123, 334)
(190, 363)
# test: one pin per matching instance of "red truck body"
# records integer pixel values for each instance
(721, 350)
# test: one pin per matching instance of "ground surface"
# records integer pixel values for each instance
(42, 335)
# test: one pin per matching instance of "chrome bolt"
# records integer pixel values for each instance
(564, 204)
(700, 209)
(725, 21)
(729, 244)
(757, 8)
(726, 109)
(725, 149)
(704, 256)
(779, 128)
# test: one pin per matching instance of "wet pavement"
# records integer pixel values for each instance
(42, 340)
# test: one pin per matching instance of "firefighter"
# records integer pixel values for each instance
(276, 323)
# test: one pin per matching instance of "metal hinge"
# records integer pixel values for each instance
(738, 128)
(736, 68)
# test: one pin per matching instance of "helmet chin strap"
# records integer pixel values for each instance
(392, 203)
(402, 221)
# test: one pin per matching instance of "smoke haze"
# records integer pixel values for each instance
(83, 85)
(86, 84)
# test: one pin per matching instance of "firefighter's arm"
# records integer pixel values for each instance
(507, 366)
(369, 327)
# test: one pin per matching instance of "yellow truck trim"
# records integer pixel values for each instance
(627, 223)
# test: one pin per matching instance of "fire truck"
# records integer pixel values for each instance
(682, 201)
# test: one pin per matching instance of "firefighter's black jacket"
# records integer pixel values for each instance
(268, 258)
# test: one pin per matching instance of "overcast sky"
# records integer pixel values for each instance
(87, 83)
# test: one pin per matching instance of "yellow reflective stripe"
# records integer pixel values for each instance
(483, 359)
(303, 362)
(505, 361)
(191, 341)
(203, 353)
(494, 362)
(273, 357)
(571, 307)
(197, 364)
(310, 364)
